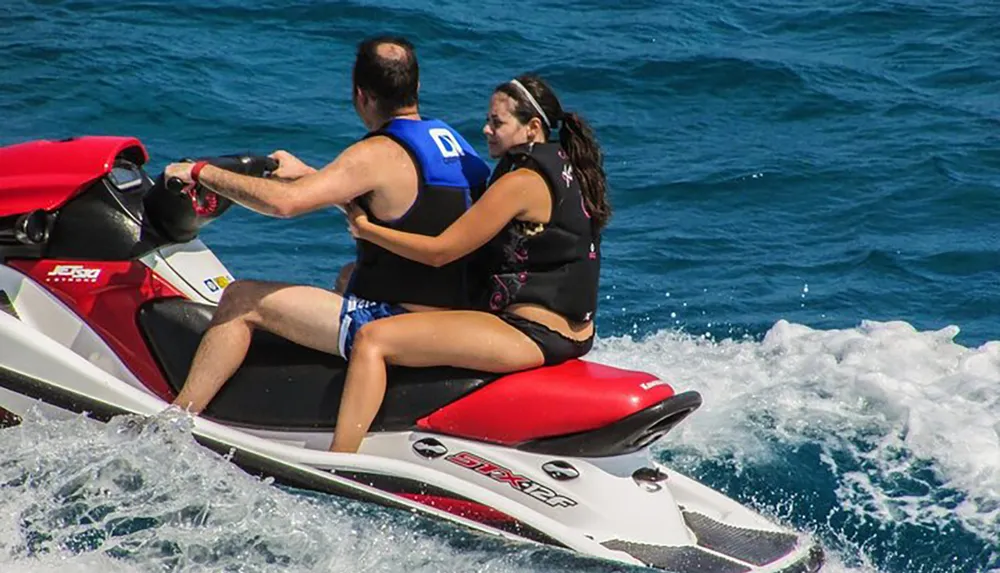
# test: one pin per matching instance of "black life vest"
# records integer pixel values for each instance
(556, 265)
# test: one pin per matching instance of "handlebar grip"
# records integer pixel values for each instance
(174, 184)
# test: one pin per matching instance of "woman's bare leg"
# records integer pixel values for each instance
(465, 339)
(305, 315)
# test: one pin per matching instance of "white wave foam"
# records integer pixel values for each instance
(88, 563)
(86, 497)
(900, 404)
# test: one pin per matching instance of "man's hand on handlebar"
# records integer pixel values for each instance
(180, 171)
(289, 166)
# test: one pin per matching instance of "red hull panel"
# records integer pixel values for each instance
(107, 296)
(467, 509)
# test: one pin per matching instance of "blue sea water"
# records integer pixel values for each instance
(806, 230)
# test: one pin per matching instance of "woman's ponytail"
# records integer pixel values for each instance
(578, 140)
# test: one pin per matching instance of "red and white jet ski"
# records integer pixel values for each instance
(105, 291)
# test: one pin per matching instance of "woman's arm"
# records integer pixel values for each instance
(513, 195)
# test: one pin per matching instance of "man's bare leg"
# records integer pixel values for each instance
(305, 315)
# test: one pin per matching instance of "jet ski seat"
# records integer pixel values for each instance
(286, 386)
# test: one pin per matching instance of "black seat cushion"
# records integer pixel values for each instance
(283, 385)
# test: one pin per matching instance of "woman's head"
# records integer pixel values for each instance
(517, 116)
(526, 110)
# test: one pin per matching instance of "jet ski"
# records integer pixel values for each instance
(106, 290)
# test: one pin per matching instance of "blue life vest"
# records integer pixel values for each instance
(451, 176)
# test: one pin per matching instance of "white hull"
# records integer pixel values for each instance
(51, 360)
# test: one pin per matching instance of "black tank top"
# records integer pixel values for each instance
(451, 175)
(556, 265)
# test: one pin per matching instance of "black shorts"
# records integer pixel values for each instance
(555, 347)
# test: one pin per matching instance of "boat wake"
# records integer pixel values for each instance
(874, 437)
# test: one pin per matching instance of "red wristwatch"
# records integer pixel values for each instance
(196, 170)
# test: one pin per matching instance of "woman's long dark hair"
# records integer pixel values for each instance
(575, 136)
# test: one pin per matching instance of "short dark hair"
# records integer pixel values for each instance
(393, 82)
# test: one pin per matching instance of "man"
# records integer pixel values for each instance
(411, 174)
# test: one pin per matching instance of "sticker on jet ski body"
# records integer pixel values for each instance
(503, 475)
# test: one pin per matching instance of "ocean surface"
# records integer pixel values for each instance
(806, 231)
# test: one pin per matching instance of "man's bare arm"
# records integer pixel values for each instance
(255, 193)
(359, 169)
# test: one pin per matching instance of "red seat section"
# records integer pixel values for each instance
(573, 397)
(46, 174)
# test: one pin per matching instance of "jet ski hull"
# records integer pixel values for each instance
(623, 508)
(105, 291)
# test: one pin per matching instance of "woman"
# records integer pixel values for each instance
(541, 216)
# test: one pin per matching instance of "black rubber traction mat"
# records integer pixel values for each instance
(685, 559)
(749, 545)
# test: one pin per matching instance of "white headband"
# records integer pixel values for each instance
(532, 101)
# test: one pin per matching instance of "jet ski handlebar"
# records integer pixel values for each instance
(252, 165)
(178, 211)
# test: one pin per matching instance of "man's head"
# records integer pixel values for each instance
(386, 79)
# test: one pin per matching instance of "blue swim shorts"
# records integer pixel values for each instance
(357, 312)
